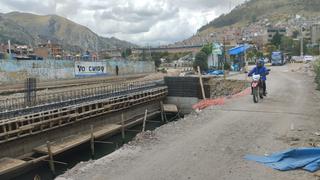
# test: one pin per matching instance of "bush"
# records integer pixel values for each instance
(157, 63)
(163, 70)
(227, 66)
(201, 60)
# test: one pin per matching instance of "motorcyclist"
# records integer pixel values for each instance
(263, 72)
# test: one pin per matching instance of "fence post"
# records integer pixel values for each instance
(92, 142)
(122, 128)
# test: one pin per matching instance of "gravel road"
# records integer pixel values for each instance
(211, 145)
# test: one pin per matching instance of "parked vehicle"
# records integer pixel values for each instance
(278, 58)
(297, 59)
(307, 58)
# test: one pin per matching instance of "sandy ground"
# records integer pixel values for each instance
(211, 144)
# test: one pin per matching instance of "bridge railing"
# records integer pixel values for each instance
(17, 103)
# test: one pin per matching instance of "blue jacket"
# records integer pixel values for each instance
(263, 71)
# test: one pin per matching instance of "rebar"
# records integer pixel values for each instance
(46, 100)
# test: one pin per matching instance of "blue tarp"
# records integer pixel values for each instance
(215, 72)
(305, 158)
(238, 49)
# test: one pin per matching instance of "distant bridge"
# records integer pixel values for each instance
(193, 49)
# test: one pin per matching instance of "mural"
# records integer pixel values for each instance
(12, 71)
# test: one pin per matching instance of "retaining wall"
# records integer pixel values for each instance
(186, 91)
(12, 71)
(213, 87)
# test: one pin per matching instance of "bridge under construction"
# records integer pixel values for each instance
(36, 128)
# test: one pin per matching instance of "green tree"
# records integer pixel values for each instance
(250, 55)
(156, 57)
(207, 49)
(227, 66)
(126, 53)
(253, 18)
(271, 48)
(296, 47)
(157, 63)
(259, 54)
(276, 40)
(201, 60)
(295, 34)
(286, 44)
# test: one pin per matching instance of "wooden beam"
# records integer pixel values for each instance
(144, 121)
(201, 83)
(51, 164)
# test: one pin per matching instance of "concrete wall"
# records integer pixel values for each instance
(184, 104)
(130, 67)
(14, 71)
(185, 91)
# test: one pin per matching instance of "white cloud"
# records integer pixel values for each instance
(141, 22)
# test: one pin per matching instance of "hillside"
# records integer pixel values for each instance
(34, 29)
(274, 10)
(10, 29)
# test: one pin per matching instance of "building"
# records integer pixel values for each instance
(3, 48)
(42, 52)
(315, 33)
(23, 50)
(49, 51)
(109, 53)
(274, 31)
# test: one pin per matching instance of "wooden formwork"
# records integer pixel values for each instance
(18, 127)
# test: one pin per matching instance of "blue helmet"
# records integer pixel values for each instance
(260, 63)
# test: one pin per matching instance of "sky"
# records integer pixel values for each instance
(143, 22)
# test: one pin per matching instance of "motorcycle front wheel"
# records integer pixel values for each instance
(255, 94)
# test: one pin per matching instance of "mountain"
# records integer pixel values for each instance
(274, 10)
(9, 29)
(33, 29)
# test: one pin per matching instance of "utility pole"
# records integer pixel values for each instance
(212, 42)
(9, 44)
(301, 42)
(224, 50)
(224, 57)
(319, 46)
(150, 52)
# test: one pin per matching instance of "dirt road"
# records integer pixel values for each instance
(212, 144)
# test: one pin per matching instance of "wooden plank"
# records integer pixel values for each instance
(170, 108)
(106, 130)
(59, 147)
(7, 164)
(73, 141)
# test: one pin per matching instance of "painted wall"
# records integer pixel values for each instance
(14, 71)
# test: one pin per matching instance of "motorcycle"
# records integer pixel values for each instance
(256, 86)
